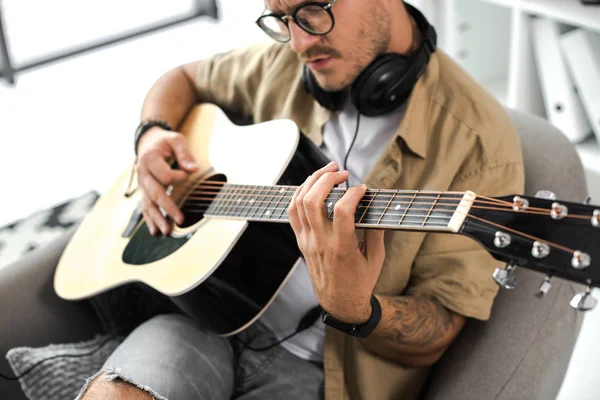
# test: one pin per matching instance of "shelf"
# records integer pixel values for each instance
(571, 12)
(589, 152)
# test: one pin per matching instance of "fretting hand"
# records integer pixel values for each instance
(343, 274)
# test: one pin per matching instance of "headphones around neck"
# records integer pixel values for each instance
(385, 83)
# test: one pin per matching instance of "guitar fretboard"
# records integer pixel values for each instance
(399, 209)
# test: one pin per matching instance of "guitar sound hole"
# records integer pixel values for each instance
(200, 197)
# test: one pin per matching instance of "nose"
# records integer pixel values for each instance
(300, 40)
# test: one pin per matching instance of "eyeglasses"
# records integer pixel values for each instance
(314, 18)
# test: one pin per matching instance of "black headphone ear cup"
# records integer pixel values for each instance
(330, 100)
(382, 86)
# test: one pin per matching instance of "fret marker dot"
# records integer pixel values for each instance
(239, 199)
(268, 212)
(281, 190)
(251, 201)
(330, 204)
(397, 207)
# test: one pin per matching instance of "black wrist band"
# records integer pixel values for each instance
(144, 126)
(361, 331)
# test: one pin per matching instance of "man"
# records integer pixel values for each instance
(411, 292)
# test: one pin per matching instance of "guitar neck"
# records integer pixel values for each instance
(381, 209)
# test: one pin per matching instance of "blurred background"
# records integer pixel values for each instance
(66, 127)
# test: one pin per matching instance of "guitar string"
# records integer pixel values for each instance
(483, 220)
(377, 199)
(380, 193)
(431, 206)
(528, 236)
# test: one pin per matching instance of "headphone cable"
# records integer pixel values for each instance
(351, 146)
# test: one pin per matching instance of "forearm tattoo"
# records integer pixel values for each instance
(417, 322)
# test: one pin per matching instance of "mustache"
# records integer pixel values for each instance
(319, 52)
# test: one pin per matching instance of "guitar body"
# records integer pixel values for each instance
(222, 272)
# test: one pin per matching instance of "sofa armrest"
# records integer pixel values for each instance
(31, 314)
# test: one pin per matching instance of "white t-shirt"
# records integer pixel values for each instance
(297, 296)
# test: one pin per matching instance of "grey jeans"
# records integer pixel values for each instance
(171, 358)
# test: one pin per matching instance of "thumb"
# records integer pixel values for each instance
(375, 246)
(184, 157)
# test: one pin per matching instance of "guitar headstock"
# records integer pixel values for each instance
(540, 233)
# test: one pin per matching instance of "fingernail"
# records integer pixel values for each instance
(331, 164)
(363, 186)
(192, 164)
(179, 220)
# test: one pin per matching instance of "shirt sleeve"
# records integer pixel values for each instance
(456, 270)
(231, 80)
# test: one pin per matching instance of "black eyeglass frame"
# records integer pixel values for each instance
(285, 19)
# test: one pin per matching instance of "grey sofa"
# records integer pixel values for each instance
(521, 353)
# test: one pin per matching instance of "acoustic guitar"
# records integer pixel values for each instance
(236, 249)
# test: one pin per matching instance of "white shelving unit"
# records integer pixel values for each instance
(491, 39)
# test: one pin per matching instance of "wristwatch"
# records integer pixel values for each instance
(144, 126)
(361, 331)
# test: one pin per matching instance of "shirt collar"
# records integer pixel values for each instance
(414, 128)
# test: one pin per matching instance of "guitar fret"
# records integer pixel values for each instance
(247, 202)
(368, 206)
(386, 208)
(431, 209)
(226, 209)
(256, 202)
(237, 201)
(287, 204)
(406, 210)
(281, 190)
(268, 212)
(446, 207)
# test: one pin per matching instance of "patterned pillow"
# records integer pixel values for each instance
(42, 227)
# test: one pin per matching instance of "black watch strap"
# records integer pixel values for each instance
(361, 331)
(144, 126)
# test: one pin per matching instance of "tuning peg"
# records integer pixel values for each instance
(584, 301)
(506, 278)
(544, 287)
(540, 250)
(545, 194)
(520, 204)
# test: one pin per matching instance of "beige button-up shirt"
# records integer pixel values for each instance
(454, 137)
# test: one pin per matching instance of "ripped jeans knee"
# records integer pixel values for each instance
(170, 358)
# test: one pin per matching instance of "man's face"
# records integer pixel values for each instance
(361, 32)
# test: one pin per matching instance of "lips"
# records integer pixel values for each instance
(318, 63)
